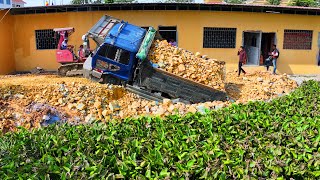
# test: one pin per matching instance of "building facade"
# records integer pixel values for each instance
(215, 30)
(4, 4)
(18, 3)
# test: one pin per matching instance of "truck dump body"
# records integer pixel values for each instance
(175, 86)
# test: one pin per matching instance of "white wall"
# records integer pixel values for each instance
(4, 4)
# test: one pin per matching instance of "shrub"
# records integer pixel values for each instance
(304, 3)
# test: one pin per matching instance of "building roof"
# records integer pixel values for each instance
(18, 1)
(169, 7)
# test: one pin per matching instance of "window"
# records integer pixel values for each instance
(219, 37)
(8, 1)
(1, 1)
(45, 39)
(297, 39)
(168, 32)
(123, 56)
(108, 51)
(112, 52)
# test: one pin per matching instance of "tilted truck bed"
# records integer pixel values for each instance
(177, 87)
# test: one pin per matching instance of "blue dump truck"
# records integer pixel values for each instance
(121, 59)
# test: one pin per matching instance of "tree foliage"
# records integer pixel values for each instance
(235, 1)
(305, 3)
(274, 2)
(179, 1)
(99, 1)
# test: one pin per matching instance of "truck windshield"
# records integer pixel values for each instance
(114, 53)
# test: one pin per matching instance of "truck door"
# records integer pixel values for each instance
(115, 61)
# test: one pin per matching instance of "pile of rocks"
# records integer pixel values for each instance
(188, 65)
(258, 86)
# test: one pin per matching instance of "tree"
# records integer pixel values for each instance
(305, 3)
(81, 1)
(98, 1)
(274, 2)
(179, 1)
(235, 1)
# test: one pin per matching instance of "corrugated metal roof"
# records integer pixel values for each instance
(169, 7)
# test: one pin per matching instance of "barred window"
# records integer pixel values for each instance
(297, 39)
(45, 39)
(219, 37)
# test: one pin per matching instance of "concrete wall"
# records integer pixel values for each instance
(190, 34)
(7, 61)
(5, 5)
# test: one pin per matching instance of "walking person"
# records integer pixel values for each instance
(275, 55)
(242, 60)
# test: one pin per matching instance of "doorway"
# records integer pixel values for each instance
(268, 39)
(252, 44)
(168, 33)
(257, 45)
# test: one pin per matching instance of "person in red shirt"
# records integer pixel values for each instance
(275, 55)
(242, 60)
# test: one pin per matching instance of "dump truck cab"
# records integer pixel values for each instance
(116, 57)
(114, 60)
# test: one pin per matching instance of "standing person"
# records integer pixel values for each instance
(275, 55)
(81, 53)
(242, 60)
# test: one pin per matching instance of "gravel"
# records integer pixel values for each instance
(300, 78)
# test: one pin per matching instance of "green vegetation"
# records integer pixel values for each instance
(279, 139)
(274, 2)
(235, 1)
(305, 3)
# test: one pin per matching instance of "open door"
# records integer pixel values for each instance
(252, 45)
(268, 39)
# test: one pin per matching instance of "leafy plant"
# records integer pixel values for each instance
(274, 2)
(277, 140)
(305, 3)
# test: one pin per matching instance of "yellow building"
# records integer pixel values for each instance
(216, 30)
